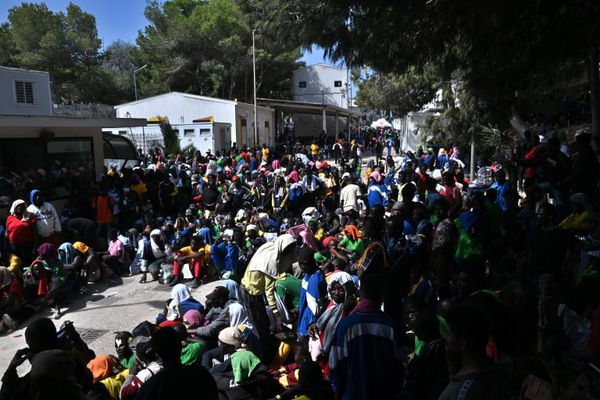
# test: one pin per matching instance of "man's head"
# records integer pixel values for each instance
(122, 341)
(218, 297)
(467, 333)
(371, 288)
(306, 259)
(167, 345)
(37, 198)
(40, 335)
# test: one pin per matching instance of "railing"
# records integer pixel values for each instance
(83, 110)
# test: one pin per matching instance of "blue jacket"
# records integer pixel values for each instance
(377, 194)
(313, 290)
(366, 357)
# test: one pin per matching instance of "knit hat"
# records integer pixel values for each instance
(231, 336)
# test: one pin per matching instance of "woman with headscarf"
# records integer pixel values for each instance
(352, 243)
(48, 276)
(21, 232)
(178, 305)
(107, 371)
(11, 301)
(342, 292)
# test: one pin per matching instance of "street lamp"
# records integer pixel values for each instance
(134, 80)
(254, 78)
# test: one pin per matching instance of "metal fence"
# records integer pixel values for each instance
(83, 110)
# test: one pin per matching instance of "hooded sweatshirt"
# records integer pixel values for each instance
(47, 218)
(265, 266)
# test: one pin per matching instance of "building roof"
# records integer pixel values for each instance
(188, 95)
(23, 70)
(303, 107)
(12, 121)
(323, 65)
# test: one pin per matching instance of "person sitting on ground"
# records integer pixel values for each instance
(196, 256)
(12, 302)
(311, 384)
(53, 376)
(123, 349)
(45, 279)
(180, 302)
(154, 254)
(191, 351)
(40, 335)
(166, 384)
(243, 363)
(108, 375)
(146, 365)
(21, 232)
(115, 258)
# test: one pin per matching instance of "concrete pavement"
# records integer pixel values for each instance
(104, 310)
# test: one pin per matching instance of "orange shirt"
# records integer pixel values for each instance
(103, 207)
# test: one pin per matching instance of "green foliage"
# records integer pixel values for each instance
(189, 150)
(206, 48)
(64, 44)
(398, 94)
(170, 139)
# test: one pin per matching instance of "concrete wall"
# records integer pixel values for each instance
(182, 108)
(41, 92)
(312, 125)
(320, 85)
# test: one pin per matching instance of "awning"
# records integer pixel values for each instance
(118, 147)
(157, 119)
(210, 118)
(302, 107)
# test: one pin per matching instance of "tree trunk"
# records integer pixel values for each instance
(595, 89)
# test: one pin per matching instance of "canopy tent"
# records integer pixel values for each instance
(210, 118)
(381, 123)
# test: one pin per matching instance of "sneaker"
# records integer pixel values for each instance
(56, 314)
(196, 283)
(175, 281)
(9, 322)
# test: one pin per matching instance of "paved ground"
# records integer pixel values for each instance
(106, 309)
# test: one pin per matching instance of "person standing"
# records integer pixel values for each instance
(312, 293)
(21, 232)
(366, 356)
(47, 219)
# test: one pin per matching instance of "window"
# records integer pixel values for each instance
(122, 133)
(337, 83)
(24, 92)
(204, 131)
(302, 84)
(188, 133)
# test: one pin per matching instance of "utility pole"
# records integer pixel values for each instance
(254, 78)
(134, 80)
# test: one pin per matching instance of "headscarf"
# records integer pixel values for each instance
(376, 175)
(233, 288)
(81, 247)
(194, 319)
(66, 253)
(293, 177)
(43, 275)
(5, 277)
(328, 240)
(15, 204)
(156, 250)
(180, 292)
(328, 321)
(275, 165)
(306, 234)
(47, 251)
(353, 231)
(267, 257)
(102, 366)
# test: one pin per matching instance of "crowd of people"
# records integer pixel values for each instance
(389, 279)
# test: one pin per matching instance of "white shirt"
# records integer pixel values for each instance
(349, 196)
(47, 219)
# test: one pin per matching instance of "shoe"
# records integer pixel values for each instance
(9, 322)
(56, 314)
(175, 281)
(196, 283)
(143, 278)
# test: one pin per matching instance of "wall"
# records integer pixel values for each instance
(245, 134)
(319, 78)
(41, 85)
(312, 125)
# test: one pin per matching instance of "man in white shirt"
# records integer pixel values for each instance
(349, 194)
(48, 221)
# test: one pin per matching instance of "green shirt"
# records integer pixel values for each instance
(127, 363)
(243, 363)
(288, 289)
(192, 353)
(357, 247)
(419, 344)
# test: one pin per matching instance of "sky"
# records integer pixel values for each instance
(119, 19)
